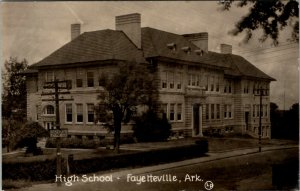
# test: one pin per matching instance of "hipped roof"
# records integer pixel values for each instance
(104, 45)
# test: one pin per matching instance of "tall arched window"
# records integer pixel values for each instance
(49, 110)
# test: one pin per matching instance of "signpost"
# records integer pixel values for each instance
(57, 85)
(62, 133)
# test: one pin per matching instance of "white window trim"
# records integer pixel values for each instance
(87, 79)
(69, 122)
(87, 114)
(76, 113)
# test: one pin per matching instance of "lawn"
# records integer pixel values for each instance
(215, 145)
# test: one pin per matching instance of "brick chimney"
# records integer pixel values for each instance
(199, 39)
(75, 30)
(226, 48)
(131, 25)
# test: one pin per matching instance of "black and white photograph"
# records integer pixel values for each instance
(149, 95)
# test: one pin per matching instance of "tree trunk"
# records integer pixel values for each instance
(117, 135)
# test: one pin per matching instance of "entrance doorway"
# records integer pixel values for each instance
(197, 112)
(49, 125)
(247, 120)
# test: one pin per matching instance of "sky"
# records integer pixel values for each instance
(33, 30)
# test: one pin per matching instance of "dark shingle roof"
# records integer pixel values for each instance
(95, 46)
(154, 43)
(115, 45)
(242, 67)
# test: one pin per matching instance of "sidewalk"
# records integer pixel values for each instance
(212, 156)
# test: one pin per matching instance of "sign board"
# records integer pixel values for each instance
(58, 132)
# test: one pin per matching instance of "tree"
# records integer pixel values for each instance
(13, 95)
(14, 88)
(269, 15)
(27, 136)
(292, 122)
(149, 127)
(131, 85)
(275, 120)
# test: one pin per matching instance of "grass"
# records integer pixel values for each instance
(239, 168)
(15, 184)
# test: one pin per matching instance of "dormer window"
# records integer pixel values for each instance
(199, 52)
(172, 46)
(186, 49)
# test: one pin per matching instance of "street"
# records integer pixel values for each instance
(240, 170)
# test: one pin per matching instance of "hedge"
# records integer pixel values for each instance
(138, 158)
(46, 169)
(32, 170)
(73, 143)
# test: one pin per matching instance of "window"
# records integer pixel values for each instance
(212, 111)
(36, 84)
(218, 111)
(79, 77)
(79, 83)
(90, 79)
(197, 80)
(171, 79)
(79, 110)
(69, 117)
(90, 113)
(164, 110)
(49, 76)
(253, 111)
(266, 110)
(217, 85)
(257, 111)
(193, 77)
(225, 86)
(69, 84)
(172, 112)
(212, 84)
(207, 111)
(229, 111)
(206, 83)
(179, 112)
(229, 86)
(164, 79)
(178, 78)
(49, 110)
(246, 87)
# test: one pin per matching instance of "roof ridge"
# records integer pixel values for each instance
(151, 28)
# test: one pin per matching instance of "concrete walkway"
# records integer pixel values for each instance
(121, 174)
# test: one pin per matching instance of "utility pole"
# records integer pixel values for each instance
(261, 94)
(58, 134)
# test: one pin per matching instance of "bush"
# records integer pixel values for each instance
(149, 127)
(138, 158)
(31, 170)
(73, 143)
(27, 136)
(45, 169)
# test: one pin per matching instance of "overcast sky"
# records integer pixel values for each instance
(34, 30)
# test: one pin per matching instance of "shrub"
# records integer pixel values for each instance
(27, 136)
(32, 170)
(138, 158)
(73, 143)
(149, 127)
(45, 169)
